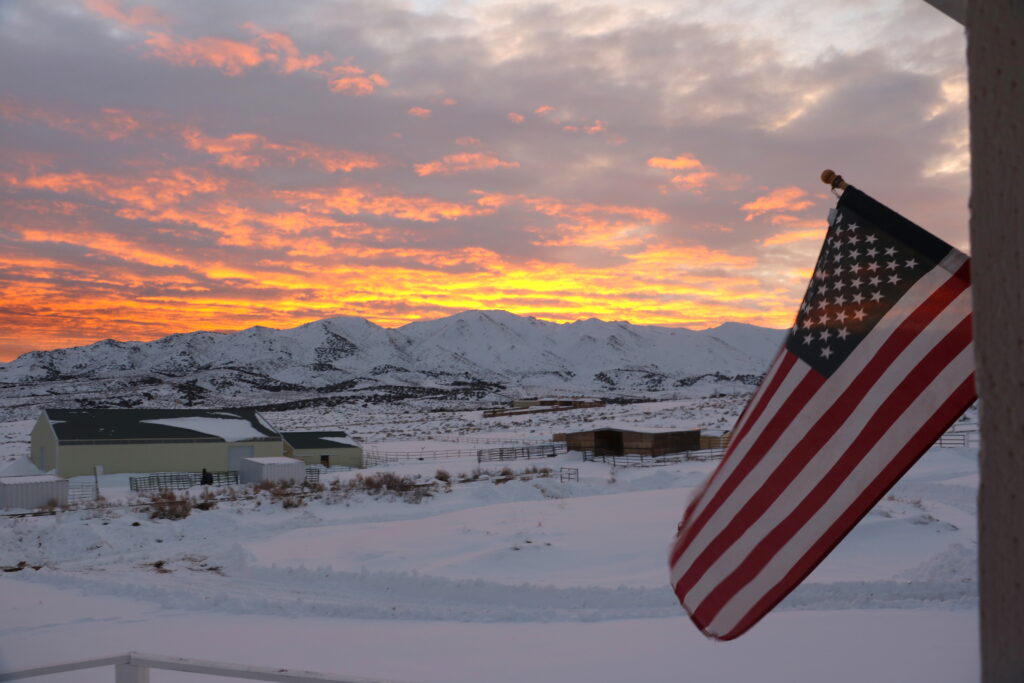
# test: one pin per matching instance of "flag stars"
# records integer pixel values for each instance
(857, 298)
(870, 239)
(808, 338)
(876, 295)
(826, 353)
(842, 333)
(858, 314)
(910, 264)
(874, 281)
(890, 251)
(893, 279)
(856, 283)
(891, 265)
(872, 266)
(824, 335)
(871, 253)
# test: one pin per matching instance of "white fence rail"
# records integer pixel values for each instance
(134, 667)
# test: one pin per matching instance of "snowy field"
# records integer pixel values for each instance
(531, 579)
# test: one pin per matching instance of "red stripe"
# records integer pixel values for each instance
(803, 393)
(816, 437)
(890, 410)
(761, 402)
(961, 399)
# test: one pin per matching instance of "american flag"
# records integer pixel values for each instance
(878, 365)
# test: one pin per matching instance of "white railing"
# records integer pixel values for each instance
(134, 667)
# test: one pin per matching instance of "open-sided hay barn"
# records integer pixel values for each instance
(611, 441)
(74, 441)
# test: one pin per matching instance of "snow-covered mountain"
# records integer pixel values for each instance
(475, 353)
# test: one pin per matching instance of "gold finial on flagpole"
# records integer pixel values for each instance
(833, 179)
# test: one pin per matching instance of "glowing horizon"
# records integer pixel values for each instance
(170, 167)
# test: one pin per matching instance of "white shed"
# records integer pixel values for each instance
(280, 468)
(33, 491)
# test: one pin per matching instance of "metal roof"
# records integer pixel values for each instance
(309, 440)
(113, 425)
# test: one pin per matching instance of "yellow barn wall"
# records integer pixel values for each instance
(76, 460)
(44, 444)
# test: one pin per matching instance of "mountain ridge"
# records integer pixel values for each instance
(476, 354)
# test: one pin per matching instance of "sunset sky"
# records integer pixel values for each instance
(173, 166)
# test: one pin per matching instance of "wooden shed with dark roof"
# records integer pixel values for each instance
(74, 441)
(324, 448)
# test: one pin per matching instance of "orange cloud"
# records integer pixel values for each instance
(467, 142)
(422, 112)
(696, 177)
(515, 118)
(230, 56)
(460, 163)
(248, 150)
(543, 109)
(140, 15)
(597, 127)
(353, 201)
(160, 189)
(357, 84)
(681, 162)
(782, 199)
(449, 101)
(286, 52)
(693, 182)
(110, 123)
(793, 236)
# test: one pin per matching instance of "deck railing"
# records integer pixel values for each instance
(134, 667)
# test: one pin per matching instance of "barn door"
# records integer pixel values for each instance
(236, 454)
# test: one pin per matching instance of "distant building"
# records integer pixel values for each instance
(528, 406)
(610, 441)
(323, 448)
(74, 441)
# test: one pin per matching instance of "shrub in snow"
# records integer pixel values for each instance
(167, 505)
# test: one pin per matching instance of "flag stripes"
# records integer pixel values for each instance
(777, 580)
(745, 453)
(811, 452)
(855, 469)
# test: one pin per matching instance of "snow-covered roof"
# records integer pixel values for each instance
(113, 425)
(275, 460)
(18, 467)
(29, 479)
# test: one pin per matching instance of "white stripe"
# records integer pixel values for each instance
(755, 399)
(823, 460)
(740, 447)
(804, 420)
(733, 450)
(866, 472)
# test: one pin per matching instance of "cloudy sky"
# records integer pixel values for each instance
(196, 164)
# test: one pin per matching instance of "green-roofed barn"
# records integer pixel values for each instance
(74, 441)
(323, 448)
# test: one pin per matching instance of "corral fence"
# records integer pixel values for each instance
(373, 457)
(641, 459)
(83, 491)
(462, 438)
(959, 438)
(568, 474)
(175, 481)
(547, 450)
